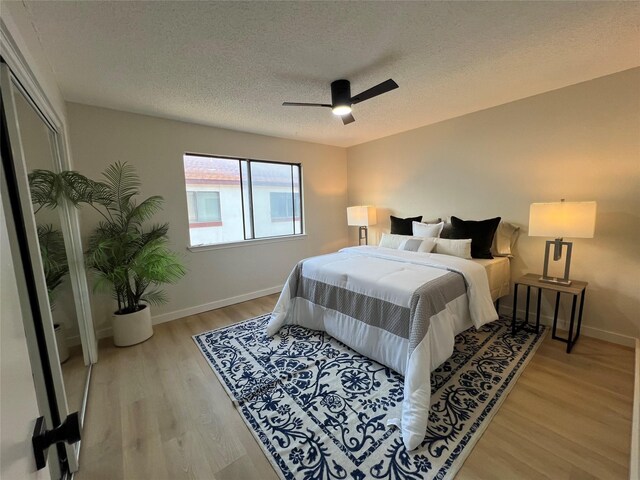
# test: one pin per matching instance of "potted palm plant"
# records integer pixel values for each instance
(128, 258)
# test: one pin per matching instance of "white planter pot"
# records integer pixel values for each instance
(132, 328)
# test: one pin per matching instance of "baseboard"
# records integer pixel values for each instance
(585, 330)
(185, 312)
(225, 302)
(635, 421)
(104, 333)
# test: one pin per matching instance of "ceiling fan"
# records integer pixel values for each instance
(341, 99)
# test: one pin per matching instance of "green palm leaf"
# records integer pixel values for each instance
(80, 189)
(124, 183)
(143, 212)
(155, 297)
(54, 258)
(46, 188)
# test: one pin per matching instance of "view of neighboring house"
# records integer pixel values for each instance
(235, 199)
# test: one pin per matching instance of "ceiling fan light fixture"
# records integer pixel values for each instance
(341, 99)
(341, 110)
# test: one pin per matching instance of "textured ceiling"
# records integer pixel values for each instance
(232, 64)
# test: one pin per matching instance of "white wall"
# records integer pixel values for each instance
(579, 143)
(155, 147)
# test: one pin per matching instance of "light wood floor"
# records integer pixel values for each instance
(157, 411)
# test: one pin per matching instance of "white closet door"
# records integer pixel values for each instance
(39, 330)
(18, 403)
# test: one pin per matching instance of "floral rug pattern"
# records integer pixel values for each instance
(319, 409)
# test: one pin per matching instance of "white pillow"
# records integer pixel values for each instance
(457, 248)
(504, 239)
(393, 240)
(411, 244)
(427, 230)
(427, 245)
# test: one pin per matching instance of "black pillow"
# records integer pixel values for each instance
(403, 226)
(480, 232)
(446, 230)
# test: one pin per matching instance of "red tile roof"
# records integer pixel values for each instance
(211, 170)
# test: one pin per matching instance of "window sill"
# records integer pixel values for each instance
(205, 224)
(247, 243)
(284, 219)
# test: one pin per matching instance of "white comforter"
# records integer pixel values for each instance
(391, 276)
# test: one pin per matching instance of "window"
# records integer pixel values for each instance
(283, 206)
(204, 207)
(232, 199)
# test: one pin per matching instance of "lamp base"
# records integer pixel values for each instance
(557, 255)
(555, 281)
(363, 235)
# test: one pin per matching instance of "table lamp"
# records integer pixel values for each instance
(363, 217)
(561, 219)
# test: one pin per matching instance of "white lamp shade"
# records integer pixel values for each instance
(361, 216)
(562, 219)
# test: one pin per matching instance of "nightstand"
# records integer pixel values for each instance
(576, 289)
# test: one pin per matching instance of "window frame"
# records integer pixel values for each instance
(249, 186)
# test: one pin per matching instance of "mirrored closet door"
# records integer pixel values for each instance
(52, 227)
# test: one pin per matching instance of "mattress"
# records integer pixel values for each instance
(499, 275)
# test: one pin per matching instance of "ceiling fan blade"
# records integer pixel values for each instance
(298, 104)
(347, 119)
(379, 89)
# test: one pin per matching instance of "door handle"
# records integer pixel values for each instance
(68, 431)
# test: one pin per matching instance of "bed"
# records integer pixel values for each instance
(498, 275)
(400, 308)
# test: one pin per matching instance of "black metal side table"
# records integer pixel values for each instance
(577, 288)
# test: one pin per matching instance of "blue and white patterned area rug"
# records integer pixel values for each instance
(318, 409)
